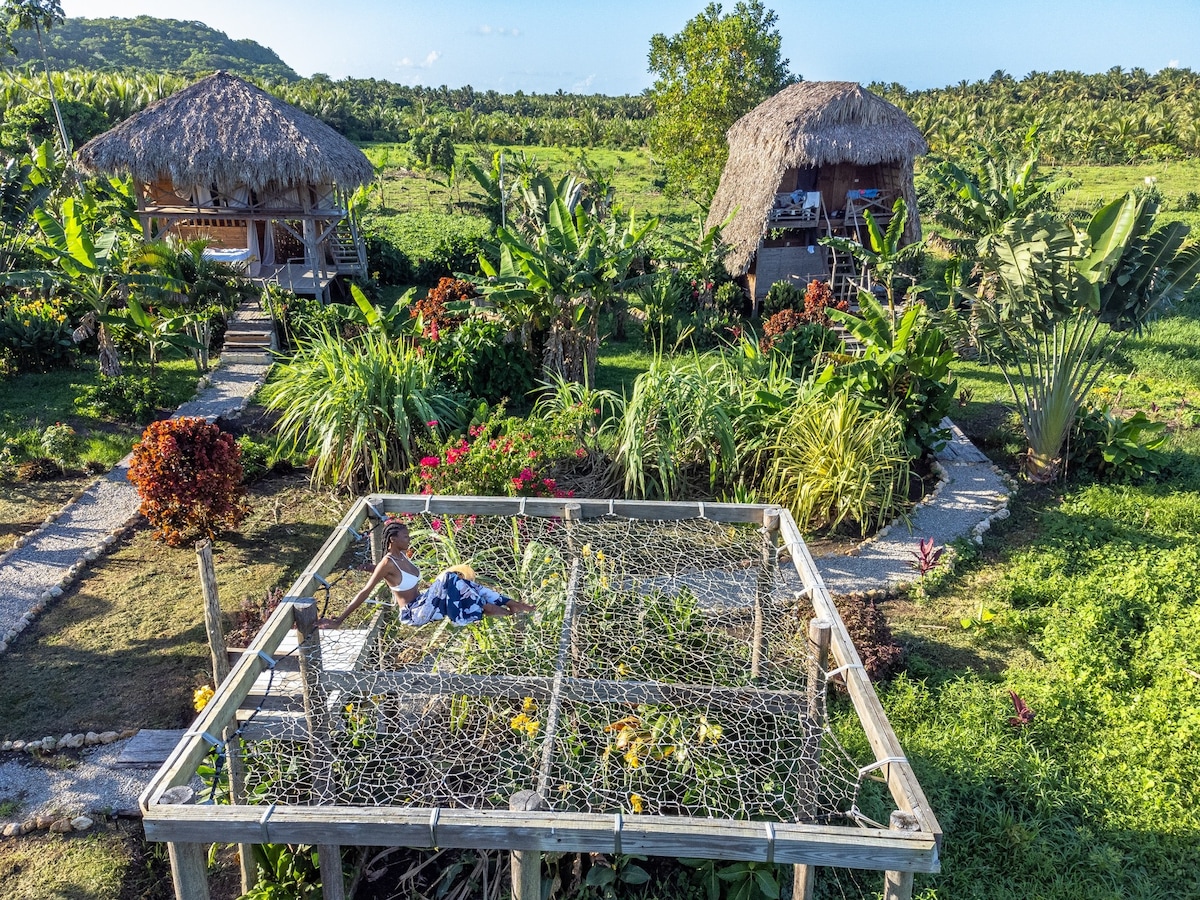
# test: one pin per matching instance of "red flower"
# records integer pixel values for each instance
(431, 462)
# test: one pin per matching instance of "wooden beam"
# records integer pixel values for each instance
(556, 691)
(189, 870)
(331, 551)
(901, 780)
(542, 507)
(212, 611)
(847, 847)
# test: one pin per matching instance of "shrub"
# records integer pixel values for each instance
(299, 318)
(126, 398)
(188, 474)
(481, 357)
(882, 655)
(504, 456)
(782, 295)
(36, 334)
(818, 300)
(730, 299)
(436, 319)
(1117, 448)
(834, 461)
(61, 445)
(788, 334)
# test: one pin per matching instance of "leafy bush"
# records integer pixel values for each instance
(360, 407)
(481, 357)
(260, 458)
(188, 474)
(663, 304)
(421, 247)
(780, 296)
(881, 654)
(126, 398)
(36, 334)
(1117, 448)
(299, 317)
(60, 444)
(730, 299)
(818, 300)
(834, 461)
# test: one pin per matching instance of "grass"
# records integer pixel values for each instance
(1099, 184)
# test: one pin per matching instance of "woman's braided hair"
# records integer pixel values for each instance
(391, 529)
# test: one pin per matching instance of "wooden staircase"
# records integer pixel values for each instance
(346, 248)
(250, 330)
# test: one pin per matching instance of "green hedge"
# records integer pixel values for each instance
(421, 247)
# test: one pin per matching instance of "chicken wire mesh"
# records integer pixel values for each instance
(666, 670)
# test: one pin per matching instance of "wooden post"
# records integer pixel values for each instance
(212, 611)
(819, 633)
(770, 531)
(526, 864)
(189, 870)
(316, 712)
(570, 517)
(237, 796)
(333, 886)
(377, 548)
(899, 885)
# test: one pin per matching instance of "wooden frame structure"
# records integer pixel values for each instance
(910, 845)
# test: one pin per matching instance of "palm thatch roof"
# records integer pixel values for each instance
(222, 130)
(808, 124)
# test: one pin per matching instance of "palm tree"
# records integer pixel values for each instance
(40, 15)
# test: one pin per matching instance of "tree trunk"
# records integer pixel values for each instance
(110, 360)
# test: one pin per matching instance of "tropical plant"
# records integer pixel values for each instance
(834, 460)
(360, 407)
(153, 330)
(1058, 301)
(392, 321)
(126, 398)
(662, 302)
(41, 16)
(902, 366)
(1116, 447)
(550, 285)
(884, 257)
(675, 436)
(25, 184)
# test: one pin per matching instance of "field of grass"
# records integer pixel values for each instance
(1178, 181)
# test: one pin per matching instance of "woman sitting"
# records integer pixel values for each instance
(452, 595)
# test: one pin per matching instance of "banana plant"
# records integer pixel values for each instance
(1057, 302)
(152, 329)
(392, 321)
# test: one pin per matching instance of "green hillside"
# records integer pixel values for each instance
(152, 45)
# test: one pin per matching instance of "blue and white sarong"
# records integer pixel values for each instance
(453, 597)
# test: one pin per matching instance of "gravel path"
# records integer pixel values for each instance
(972, 494)
(94, 784)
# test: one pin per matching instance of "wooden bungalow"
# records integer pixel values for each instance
(265, 182)
(809, 162)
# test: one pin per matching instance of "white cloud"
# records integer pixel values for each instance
(581, 86)
(407, 63)
(498, 31)
(1173, 64)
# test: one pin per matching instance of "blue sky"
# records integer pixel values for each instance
(601, 46)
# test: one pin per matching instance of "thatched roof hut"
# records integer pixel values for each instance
(812, 125)
(222, 130)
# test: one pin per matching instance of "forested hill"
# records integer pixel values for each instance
(148, 44)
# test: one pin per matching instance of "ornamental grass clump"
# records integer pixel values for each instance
(188, 474)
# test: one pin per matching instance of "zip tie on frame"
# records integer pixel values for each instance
(880, 763)
(433, 822)
(357, 536)
(521, 508)
(428, 498)
(770, 826)
(262, 823)
(833, 673)
(618, 824)
(216, 742)
(269, 660)
(700, 506)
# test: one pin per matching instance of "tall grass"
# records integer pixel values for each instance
(360, 407)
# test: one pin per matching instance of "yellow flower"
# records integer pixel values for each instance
(528, 705)
(585, 551)
(636, 803)
(622, 669)
(564, 788)
(522, 722)
(201, 696)
(631, 757)
(710, 731)
(599, 556)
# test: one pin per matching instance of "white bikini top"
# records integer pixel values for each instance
(408, 580)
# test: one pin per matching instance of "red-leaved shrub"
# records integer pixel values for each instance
(436, 320)
(818, 298)
(188, 474)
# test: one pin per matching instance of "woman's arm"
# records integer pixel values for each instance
(357, 601)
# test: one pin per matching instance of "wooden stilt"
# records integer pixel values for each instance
(189, 870)
(819, 633)
(526, 864)
(212, 611)
(333, 886)
(316, 712)
(899, 885)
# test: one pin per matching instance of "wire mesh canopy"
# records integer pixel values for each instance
(665, 671)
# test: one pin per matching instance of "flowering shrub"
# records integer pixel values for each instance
(188, 474)
(36, 334)
(436, 320)
(504, 456)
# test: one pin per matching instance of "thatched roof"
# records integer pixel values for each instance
(812, 123)
(222, 130)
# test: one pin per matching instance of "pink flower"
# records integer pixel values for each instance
(533, 454)
(431, 462)
(527, 474)
(580, 453)
(436, 525)
(432, 423)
